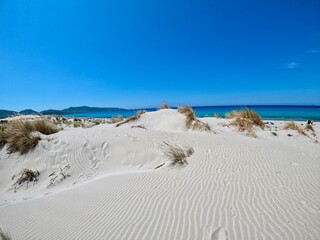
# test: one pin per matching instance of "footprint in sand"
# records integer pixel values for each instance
(86, 144)
(104, 148)
(219, 234)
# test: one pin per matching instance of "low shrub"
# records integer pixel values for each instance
(18, 137)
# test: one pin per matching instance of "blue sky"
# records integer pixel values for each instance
(132, 54)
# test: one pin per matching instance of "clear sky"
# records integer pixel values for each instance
(138, 53)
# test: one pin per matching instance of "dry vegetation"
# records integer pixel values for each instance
(117, 119)
(244, 120)
(57, 177)
(26, 176)
(191, 120)
(17, 134)
(176, 154)
(216, 115)
(4, 235)
(2, 138)
(309, 127)
(132, 118)
(164, 106)
(293, 126)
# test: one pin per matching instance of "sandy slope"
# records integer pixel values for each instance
(234, 187)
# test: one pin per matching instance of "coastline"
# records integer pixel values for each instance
(233, 185)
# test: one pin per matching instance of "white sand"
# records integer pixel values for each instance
(234, 187)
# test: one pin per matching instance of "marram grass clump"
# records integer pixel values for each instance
(293, 126)
(192, 122)
(245, 119)
(3, 141)
(18, 134)
(164, 106)
(117, 119)
(176, 154)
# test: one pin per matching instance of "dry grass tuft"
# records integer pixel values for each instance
(176, 154)
(252, 115)
(191, 120)
(248, 114)
(78, 124)
(132, 118)
(244, 124)
(117, 119)
(26, 175)
(3, 141)
(216, 115)
(140, 112)
(18, 137)
(244, 120)
(307, 127)
(293, 126)
(4, 235)
(231, 114)
(164, 106)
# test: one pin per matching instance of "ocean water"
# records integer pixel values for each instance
(295, 113)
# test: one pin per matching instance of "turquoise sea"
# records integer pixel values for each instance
(270, 112)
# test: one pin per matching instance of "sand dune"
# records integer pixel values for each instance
(234, 186)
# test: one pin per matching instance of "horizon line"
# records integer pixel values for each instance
(195, 106)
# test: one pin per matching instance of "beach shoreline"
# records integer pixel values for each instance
(99, 181)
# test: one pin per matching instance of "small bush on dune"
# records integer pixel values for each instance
(18, 135)
(309, 127)
(293, 126)
(45, 127)
(190, 116)
(216, 115)
(231, 114)
(164, 106)
(140, 112)
(78, 124)
(27, 175)
(252, 115)
(117, 119)
(191, 120)
(244, 124)
(245, 119)
(3, 141)
(176, 154)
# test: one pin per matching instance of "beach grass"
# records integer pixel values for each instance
(164, 106)
(244, 120)
(176, 154)
(27, 175)
(293, 126)
(192, 122)
(18, 137)
(216, 115)
(2, 138)
(117, 119)
(309, 127)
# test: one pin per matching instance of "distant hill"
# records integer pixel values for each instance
(70, 110)
(85, 109)
(52, 112)
(6, 113)
(28, 111)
